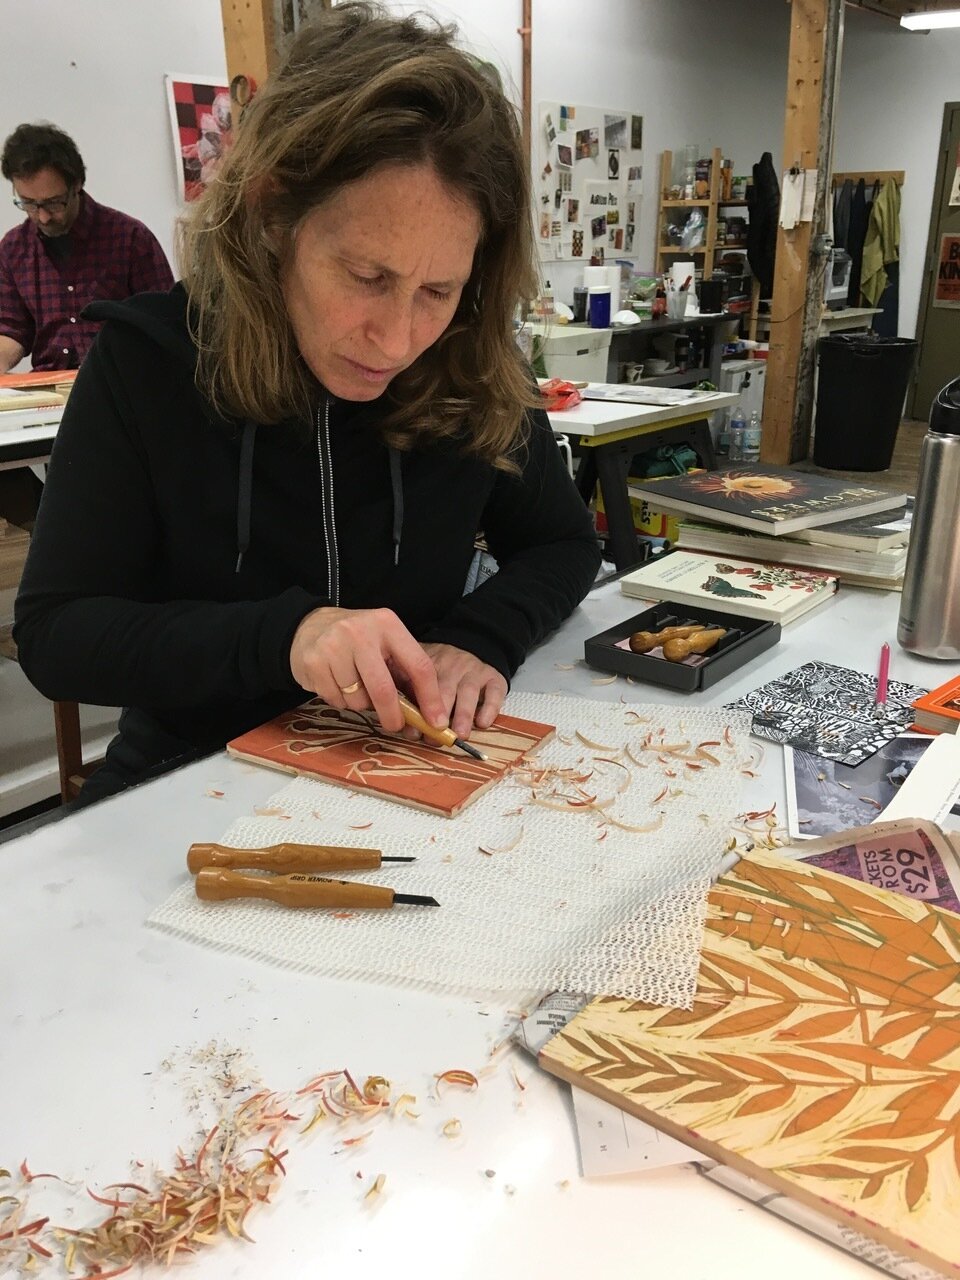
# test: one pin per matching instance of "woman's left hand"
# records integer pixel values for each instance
(472, 692)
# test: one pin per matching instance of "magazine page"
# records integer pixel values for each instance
(824, 796)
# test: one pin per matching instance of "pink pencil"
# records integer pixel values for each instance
(882, 675)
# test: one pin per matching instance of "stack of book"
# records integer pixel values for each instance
(856, 531)
(939, 710)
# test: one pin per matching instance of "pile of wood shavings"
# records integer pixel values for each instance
(205, 1199)
(578, 788)
(19, 1247)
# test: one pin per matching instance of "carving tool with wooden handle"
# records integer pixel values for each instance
(644, 641)
(413, 716)
(217, 884)
(285, 859)
(677, 649)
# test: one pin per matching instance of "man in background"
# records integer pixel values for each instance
(67, 252)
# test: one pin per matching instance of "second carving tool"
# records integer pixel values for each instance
(215, 884)
(286, 859)
(414, 717)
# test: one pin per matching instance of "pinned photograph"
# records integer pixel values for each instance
(613, 217)
(566, 181)
(636, 132)
(615, 131)
(613, 164)
(556, 198)
(573, 210)
(598, 227)
(628, 238)
(555, 227)
(200, 117)
(576, 247)
(564, 155)
(631, 210)
(545, 226)
(548, 127)
(587, 144)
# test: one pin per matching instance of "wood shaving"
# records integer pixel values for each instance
(375, 1188)
(489, 849)
(456, 1076)
(452, 1129)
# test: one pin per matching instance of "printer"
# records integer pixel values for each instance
(836, 281)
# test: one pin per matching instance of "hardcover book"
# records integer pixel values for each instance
(821, 1054)
(939, 710)
(880, 568)
(773, 500)
(878, 532)
(775, 593)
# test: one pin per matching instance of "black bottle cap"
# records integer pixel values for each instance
(945, 410)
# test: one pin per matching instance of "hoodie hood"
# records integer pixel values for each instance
(161, 316)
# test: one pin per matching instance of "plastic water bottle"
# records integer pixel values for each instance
(751, 439)
(738, 427)
(723, 435)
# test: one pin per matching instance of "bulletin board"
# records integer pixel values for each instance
(589, 182)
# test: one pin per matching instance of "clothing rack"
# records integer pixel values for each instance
(879, 175)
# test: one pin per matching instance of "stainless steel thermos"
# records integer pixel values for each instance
(930, 609)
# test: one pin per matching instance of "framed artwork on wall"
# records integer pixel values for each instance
(201, 123)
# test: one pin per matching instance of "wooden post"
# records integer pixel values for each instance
(525, 32)
(816, 38)
(249, 38)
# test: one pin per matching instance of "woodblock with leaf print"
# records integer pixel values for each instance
(350, 749)
(821, 1055)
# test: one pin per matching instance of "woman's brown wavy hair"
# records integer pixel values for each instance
(357, 90)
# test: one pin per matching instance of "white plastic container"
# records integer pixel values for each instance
(575, 353)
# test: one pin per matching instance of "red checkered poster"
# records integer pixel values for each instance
(200, 120)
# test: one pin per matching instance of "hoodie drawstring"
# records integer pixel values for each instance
(245, 490)
(396, 484)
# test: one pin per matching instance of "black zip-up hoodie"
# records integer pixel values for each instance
(175, 554)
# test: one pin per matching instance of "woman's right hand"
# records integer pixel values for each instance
(334, 650)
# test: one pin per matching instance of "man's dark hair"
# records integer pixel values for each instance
(32, 147)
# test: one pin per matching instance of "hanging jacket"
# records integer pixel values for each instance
(763, 201)
(882, 243)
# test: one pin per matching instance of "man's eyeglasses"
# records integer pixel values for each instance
(55, 204)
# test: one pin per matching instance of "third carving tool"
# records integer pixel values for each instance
(441, 737)
(216, 884)
(285, 859)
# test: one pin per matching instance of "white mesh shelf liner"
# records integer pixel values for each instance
(577, 904)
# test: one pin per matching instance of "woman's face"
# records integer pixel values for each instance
(375, 274)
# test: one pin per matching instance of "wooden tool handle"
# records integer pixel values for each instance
(644, 641)
(678, 649)
(413, 716)
(284, 859)
(216, 884)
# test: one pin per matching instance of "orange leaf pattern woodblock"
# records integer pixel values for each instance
(822, 1054)
(350, 749)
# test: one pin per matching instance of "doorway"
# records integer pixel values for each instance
(938, 324)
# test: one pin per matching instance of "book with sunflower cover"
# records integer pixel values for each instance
(771, 592)
(821, 1055)
(773, 500)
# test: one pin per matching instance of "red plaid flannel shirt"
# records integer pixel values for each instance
(112, 256)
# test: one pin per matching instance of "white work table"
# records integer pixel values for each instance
(93, 1002)
(610, 434)
(27, 435)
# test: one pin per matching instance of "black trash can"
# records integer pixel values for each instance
(860, 393)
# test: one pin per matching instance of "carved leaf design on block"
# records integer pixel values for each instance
(822, 1052)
